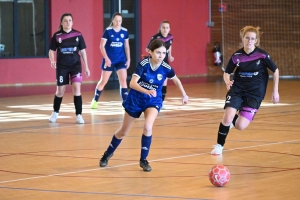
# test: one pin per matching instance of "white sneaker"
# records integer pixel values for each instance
(79, 119)
(218, 149)
(163, 107)
(53, 117)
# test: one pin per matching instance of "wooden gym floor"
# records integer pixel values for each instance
(40, 160)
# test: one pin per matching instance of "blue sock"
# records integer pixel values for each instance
(123, 93)
(113, 145)
(146, 142)
(97, 94)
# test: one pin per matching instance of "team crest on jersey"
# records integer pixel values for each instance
(59, 40)
(77, 39)
(258, 62)
(159, 77)
(151, 81)
(122, 35)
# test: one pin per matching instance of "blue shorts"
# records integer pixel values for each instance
(117, 66)
(137, 103)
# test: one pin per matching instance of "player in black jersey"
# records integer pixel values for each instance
(164, 35)
(248, 87)
(69, 43)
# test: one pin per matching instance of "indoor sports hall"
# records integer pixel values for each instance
(42, 160)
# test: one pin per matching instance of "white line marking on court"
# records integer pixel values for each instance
(89, 170)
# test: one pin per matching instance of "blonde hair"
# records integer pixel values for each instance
(253, 29)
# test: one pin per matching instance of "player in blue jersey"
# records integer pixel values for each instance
(113, 43)
(164, 35)
(248, 87)
(145, 96)
(69, 43)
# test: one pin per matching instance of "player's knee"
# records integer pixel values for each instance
(147, 129)
(241, 126)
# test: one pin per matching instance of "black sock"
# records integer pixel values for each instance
(164, 92)
(78, 104)
(234, 119)
(56, 103)
(222, 134)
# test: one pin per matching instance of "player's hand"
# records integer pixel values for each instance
(53, 64)
(151, 93)
(275, 97)
(87, 72)
(229, 84)
(127, 64)
(185, 99)
(107, 63)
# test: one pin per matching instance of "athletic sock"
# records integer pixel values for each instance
(123, 93)
(164, 92)
(56, 103)
(222, 134)
(78, 104)
(97, 94)
(113, 145)
(146, 142)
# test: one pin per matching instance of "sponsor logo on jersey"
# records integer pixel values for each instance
(116, 44)
(148, 86)
(159, 77)
(248, 74)
(75, 48)
(258, 62)
(122, 35)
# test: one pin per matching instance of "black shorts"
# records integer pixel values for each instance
(238, 101)
(64, 74)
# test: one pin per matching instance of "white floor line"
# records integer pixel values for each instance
(177, 157)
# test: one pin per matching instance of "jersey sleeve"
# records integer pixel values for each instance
(138, 71)
(152, 38)
(270, 64)
(171, 74)
(105, 35)
(127, 36)
(81, 43)
(53, 45)
(230, 66)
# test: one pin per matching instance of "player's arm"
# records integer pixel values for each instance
(84, 58)
(134, 85)
(52, 58)
(127, 52)
(103, 52)
(178, 83)
(227, 80)
(171, 58)
(275, 94)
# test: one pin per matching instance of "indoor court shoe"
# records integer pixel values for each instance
(145, 165)
(218, 149)
(163, 107)
(104, 160)
(79, 119)
(53, 117)
(94, 104)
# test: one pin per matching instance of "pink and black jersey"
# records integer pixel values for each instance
(167, 40)
(251, 72)
(67, 45)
